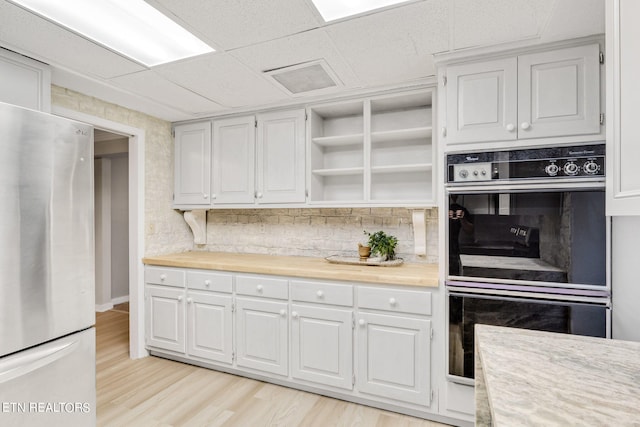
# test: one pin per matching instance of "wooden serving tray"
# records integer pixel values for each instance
(336, 259)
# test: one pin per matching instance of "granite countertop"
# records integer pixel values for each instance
(410, 274)
(533, 378)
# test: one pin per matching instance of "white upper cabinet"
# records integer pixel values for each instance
(559, 92)
(233, 161)
(192, 164)
(280, 157)
(623, 93)
(554, 93)
(24, 82)
(482, 101)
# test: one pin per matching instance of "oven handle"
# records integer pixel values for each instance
(511, 187)
(520, 296)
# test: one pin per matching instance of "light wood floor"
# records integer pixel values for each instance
(158, 392)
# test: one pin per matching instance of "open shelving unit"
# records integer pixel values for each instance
(337, 152)
(375, 151)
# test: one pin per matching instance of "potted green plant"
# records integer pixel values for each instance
(382, 244)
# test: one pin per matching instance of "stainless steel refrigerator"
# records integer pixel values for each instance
(47, 334)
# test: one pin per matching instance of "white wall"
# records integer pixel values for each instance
(119, 227)
(625, 278)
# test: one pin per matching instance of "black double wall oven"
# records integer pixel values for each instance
(528, 245)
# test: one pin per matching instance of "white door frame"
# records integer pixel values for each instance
(136, 220)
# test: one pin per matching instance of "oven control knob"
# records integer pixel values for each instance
(552, 169)
(571, 168)
(475, 173)
(463, 173)
(590, 167)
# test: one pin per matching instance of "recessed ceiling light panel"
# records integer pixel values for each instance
(130, 27)
(332, 10)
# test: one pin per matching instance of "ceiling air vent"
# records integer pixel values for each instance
(301, 79)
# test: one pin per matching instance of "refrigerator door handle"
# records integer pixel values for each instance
(35, 359)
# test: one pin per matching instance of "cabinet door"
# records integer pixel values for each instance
(394, 357)
(209, 326)
(24, 82)
(192, 164)
(234, 160)
(623, 92)
(481, 101)
(165, 318)
(322, 345)
(281, 158)
(559, 92)
(261, 335)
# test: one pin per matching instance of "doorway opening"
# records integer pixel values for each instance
(111, 166)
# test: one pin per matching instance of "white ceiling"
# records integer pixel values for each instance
(394, 46)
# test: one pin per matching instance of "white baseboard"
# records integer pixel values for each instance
(103, 307)
(120, 300)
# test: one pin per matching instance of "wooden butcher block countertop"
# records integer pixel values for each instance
(411, 274)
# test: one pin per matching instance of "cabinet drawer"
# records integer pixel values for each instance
(322, 293)
(209, 281)
(262, 287)
(397, 300)
(164, 276)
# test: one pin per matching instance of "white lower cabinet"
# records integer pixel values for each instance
(261, 335)
(209, 326)
(165, 318)
(322, 345)
(189, 314)
(367, 343)
(394, 357)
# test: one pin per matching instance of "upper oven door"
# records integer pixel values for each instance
(518, 235)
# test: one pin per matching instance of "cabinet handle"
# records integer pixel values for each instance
(362, 322)
(294, 314)
(163, 277)
(259, 195)
(259, 288)
(205, 196)
(525, 125)
(207, 283)
(320, 294)
(213, 196)
(189, 300)
(392, 301)
(283, 313)
(511, 127)
(180, 298)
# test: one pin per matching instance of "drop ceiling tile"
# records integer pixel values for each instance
(234, 23)
(36, 37)
(396, 45)
(296, 49)
(223, 79)
(487, 22)
(150, 85)
(575, 18)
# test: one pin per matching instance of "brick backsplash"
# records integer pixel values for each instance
(318, 232)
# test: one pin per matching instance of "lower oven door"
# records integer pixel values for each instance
(537, 312)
